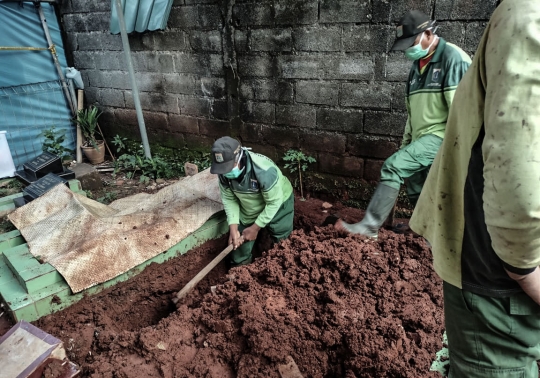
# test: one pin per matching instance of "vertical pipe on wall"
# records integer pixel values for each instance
(55, 59)
(134, 89)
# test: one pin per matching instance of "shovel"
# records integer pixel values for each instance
(195, 280)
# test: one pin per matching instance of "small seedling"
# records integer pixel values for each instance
(298, 161)
(108, 198)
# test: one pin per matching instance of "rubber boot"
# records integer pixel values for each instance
(378, 210)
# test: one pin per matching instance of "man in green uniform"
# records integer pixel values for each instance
(480, 207)
(255, 195)
(437, 68)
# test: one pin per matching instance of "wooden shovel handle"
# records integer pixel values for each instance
(195, 280)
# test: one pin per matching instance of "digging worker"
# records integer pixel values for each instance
(437, 68)
(255, 195)
(480, 207)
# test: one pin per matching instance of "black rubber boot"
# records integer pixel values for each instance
(378, 210)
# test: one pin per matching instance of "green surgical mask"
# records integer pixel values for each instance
(417, 52)
(236, 172)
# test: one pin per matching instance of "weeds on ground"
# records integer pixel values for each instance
(133, 161)
(11, 187)
(6, 225)
(108, 197)
(297, 161)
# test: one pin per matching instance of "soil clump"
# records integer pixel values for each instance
(340, 305)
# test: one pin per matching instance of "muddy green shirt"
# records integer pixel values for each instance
(256, 196)
(430, 93)
(496, 111)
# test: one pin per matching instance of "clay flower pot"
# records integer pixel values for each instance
(95, 155)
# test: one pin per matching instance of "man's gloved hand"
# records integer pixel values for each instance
(234, 236)
(251, 232)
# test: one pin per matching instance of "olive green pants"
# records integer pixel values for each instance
(412, 162)
(491, 337)
(280, 227)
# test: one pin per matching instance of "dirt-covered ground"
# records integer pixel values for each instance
(339, 305)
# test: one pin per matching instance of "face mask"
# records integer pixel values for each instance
(417, 52)
(236, 172)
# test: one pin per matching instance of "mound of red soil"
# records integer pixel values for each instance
(339, 305)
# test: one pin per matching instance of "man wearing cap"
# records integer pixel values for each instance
(480, 207)
(437, 68)
(255, 195)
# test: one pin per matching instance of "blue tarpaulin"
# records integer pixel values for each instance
(141, 15)
(31, 97)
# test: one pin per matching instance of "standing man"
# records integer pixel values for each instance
(437, 68)
(480, 207)
(255, 195)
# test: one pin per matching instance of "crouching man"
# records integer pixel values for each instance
(255, 195)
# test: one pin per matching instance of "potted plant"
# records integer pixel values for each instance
(93, 148)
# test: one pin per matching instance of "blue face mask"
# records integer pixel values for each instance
(417, 52)
(236, 172)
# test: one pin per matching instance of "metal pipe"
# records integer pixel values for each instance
(55, 58)
(136, 100)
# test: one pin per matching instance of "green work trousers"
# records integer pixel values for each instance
(411, 162)
(280, 228)
(491, 337)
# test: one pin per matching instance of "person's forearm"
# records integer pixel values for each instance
(530, 283)
(256, 227)
(233, 227)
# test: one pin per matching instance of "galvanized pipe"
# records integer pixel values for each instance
(55, 59)
(135, 91)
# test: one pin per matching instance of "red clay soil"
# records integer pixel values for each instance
(339, 305)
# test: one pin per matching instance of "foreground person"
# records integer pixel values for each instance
(437, 68)
(480, 207)
(255, 195)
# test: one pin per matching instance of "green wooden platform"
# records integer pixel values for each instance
(30, 289)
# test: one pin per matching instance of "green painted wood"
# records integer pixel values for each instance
(41, 276)
(9, 235)
(5, 273)
(19, 258)
(7, 208)
(57, 295)
(8, 200)
(10, 239)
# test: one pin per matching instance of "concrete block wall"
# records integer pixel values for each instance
(278, 74)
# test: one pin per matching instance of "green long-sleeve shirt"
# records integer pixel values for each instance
(430, 92)
(257, 195)
(500, 96)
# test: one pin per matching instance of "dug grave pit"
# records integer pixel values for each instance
(339, 305)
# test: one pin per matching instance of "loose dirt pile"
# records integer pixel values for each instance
(339, 305)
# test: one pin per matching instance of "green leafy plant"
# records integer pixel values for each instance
(135, 160)
(53, 143)
(108, 198)
(297, 161)
(88, 121)
(89, 194)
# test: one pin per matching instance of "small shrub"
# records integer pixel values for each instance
(133, 160)
(53, 143)
(297, 161)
